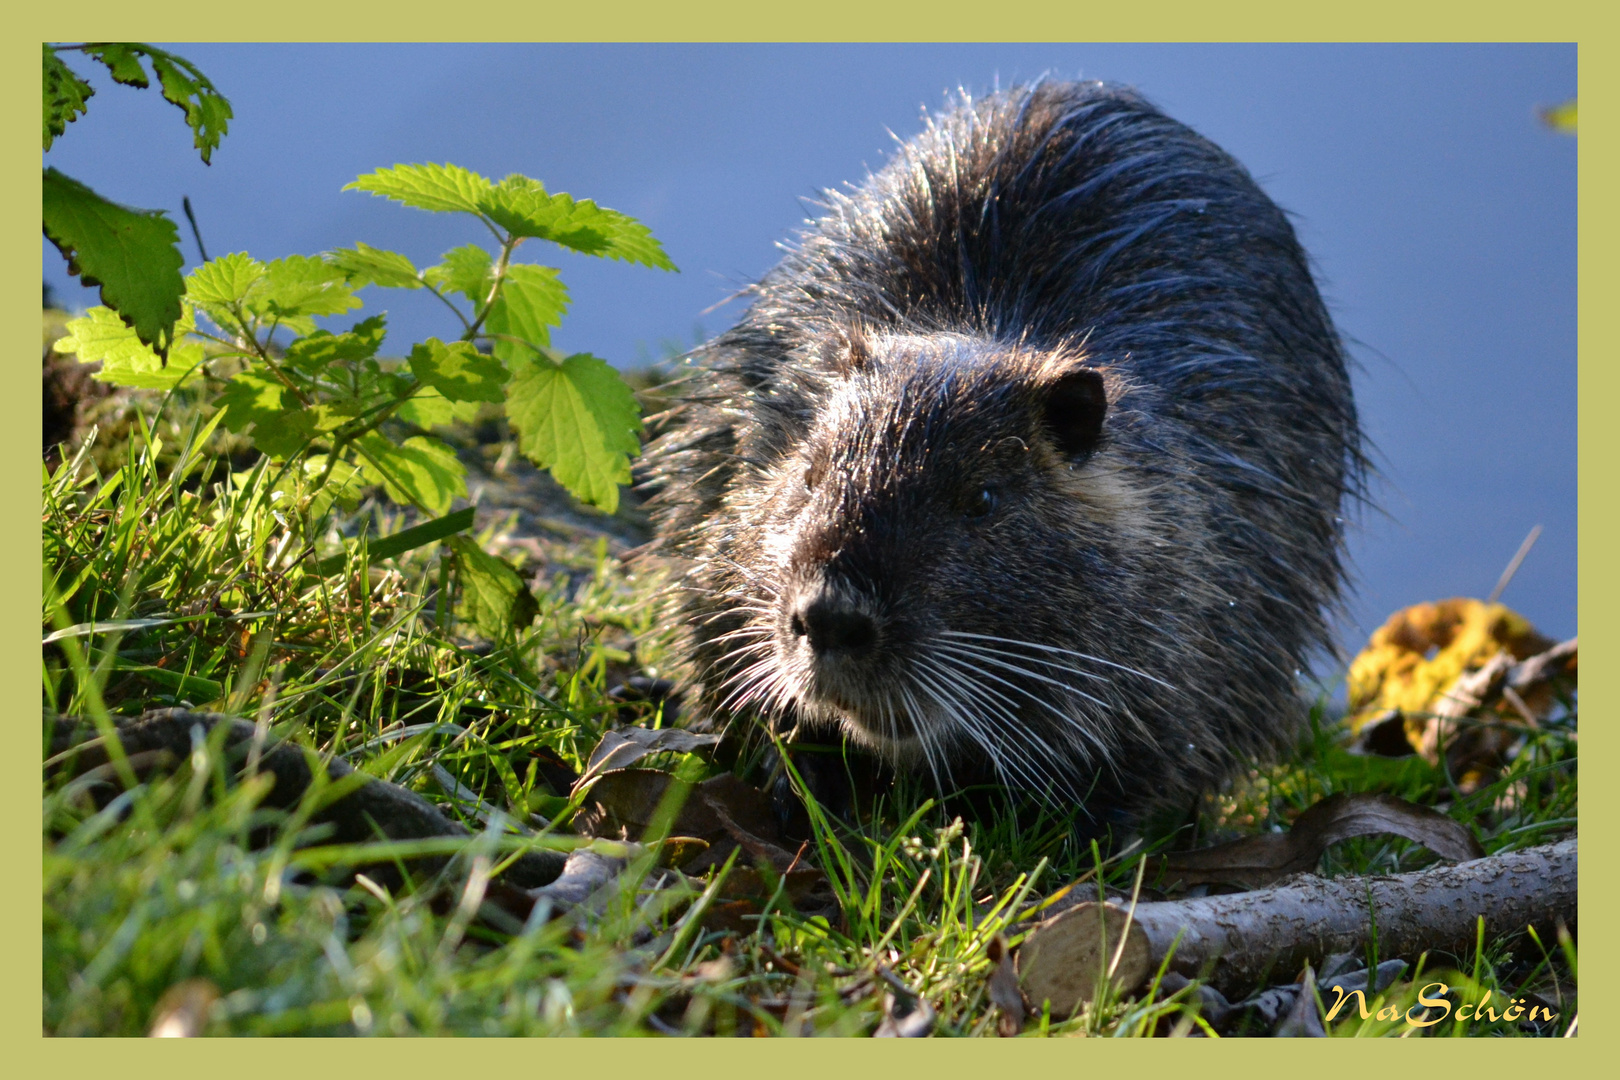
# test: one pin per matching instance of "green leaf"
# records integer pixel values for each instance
(426, 187)
(302, 286)
(65, 95)
(134, 255)
(579, 420)
(430, 409)
(423, 471)
(207, 112)
(223, 281)
(406, 539)
(333, 414)
(281, 426)
(493, 597)
(458, 371)
(315, 353)
(522, 207)
(100, 335)
(465, 270)
(532, 298)
(365, 265)
(344, 485)
(123, 60)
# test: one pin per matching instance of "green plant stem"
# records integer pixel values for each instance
(508, 245)
(264, 354)
(466, 326)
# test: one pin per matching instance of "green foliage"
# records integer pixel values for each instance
(366, 265)
(422, 471)
(522, 207)
(66, 96)
(493, 598)
(458, 371)
(133, 255)
(578, 419)
(101, 336)
(531, 301)
(427, 187)
(329, 394)
(207, 112)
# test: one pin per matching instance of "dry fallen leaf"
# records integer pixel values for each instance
(1257, 861)
(1003, 988)
(1303, 1021)
(1458, 680)
(1420, 651)
(622, 747)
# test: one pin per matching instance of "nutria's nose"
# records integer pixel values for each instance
(833, 627)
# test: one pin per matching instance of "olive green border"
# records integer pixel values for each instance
(824, 20)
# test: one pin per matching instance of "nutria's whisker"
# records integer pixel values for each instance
(1070, 721)
(967, 721)
(1120, 710)
(967, 651)
(924, 736)
(742, 632)
(1054, 664)
(1055, 649)
(748, 679)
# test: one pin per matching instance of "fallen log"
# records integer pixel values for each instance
(374, 810)
(1233, 941)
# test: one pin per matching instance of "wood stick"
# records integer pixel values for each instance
(1234, 941)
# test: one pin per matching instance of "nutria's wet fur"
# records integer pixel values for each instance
(1026, 463)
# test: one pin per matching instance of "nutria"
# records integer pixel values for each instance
(1025, 463)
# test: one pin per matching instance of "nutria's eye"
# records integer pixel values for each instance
(979, 504)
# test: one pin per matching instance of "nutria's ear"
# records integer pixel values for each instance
(1075, 406)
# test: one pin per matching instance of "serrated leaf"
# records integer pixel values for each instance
(430, 409)
(333, 415)
(223, 281)
(522, 206)
(281, 426)
(207, 111)
(465, 270)
(316, 352)
(100, 336)
(426, 187)
(134, 255)
(579, 420)
(302, 286)
(343, 485)
(532, 298)
(365, 265)
(65, 95)
(123, 60)
(494, 598)
(458, 371)
(423, 471)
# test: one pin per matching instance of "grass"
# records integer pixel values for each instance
(204, 588)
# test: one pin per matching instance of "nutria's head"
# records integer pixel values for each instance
(924, 551)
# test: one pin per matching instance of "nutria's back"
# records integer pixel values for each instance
(1027, 462)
